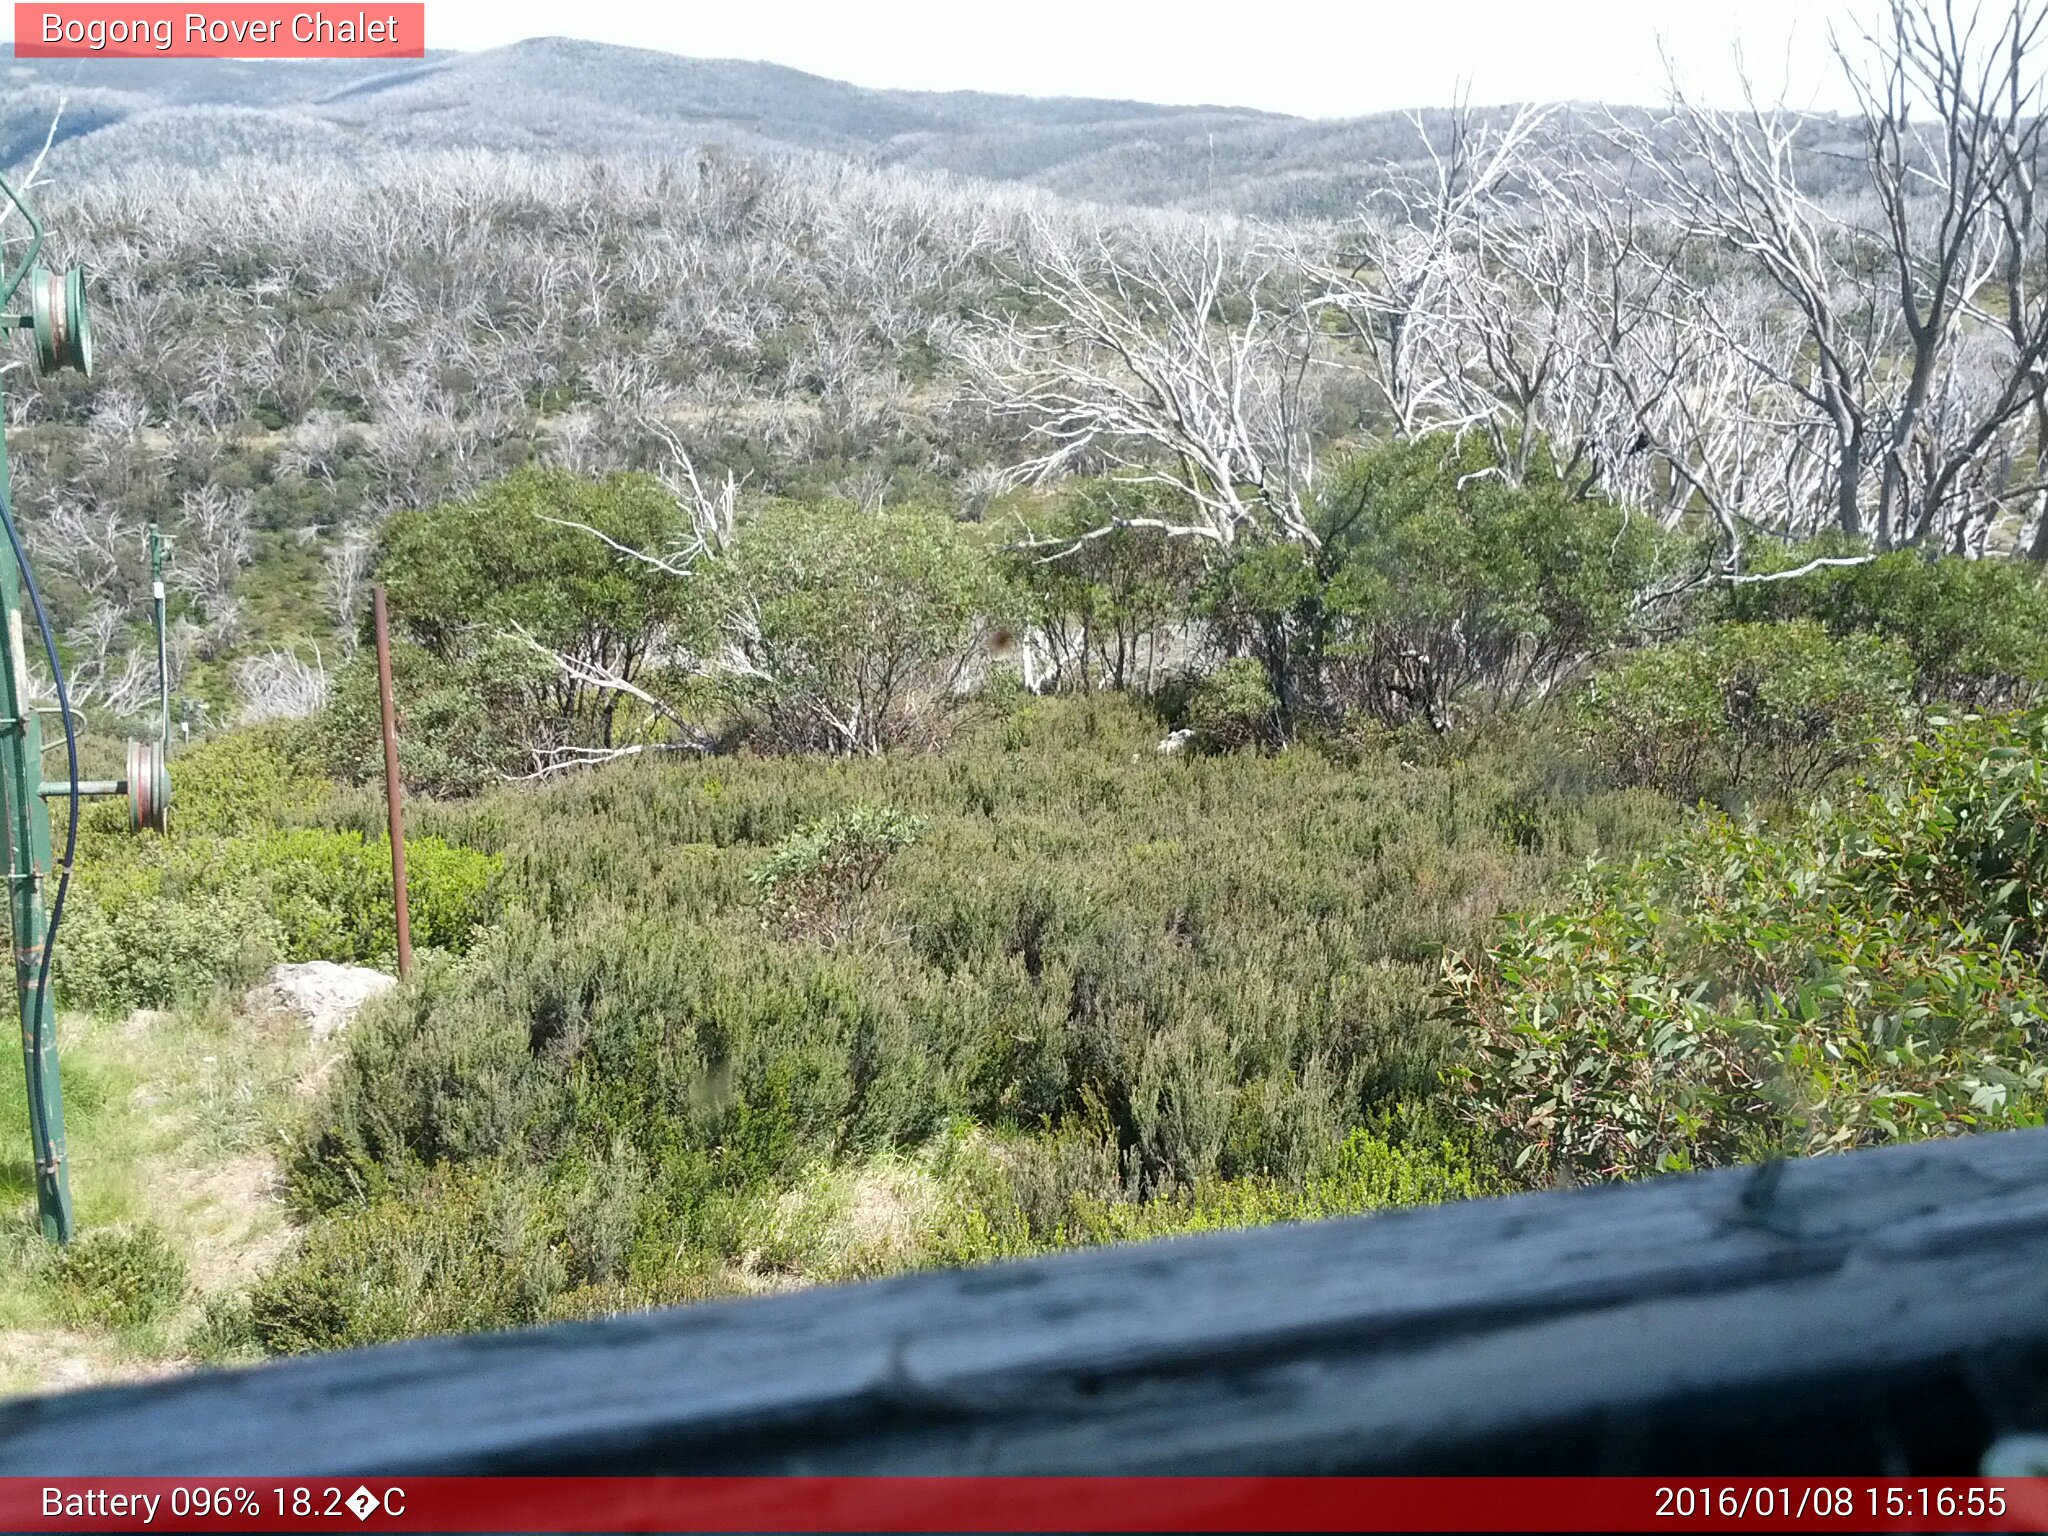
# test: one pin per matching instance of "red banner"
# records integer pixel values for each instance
(232, 31)
(1006, 1504)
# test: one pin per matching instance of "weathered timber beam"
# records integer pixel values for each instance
(1880, 1311)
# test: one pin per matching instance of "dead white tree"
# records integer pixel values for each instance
(279, 685)
(94, 548)
(345, 582)
(215, 542)
(1411, 275)
(314, 446)
(1185, 360)
(1921, 311)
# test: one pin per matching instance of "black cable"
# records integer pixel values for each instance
(28, 582)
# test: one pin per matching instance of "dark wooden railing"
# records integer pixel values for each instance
(1884, 1311)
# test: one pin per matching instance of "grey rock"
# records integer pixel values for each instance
(327, 996)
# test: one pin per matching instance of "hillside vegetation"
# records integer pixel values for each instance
(942, 722)
(761, 1007)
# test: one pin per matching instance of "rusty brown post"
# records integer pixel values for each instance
(393, 801)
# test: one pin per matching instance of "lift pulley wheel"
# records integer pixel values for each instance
(62, 326)
(149, 787)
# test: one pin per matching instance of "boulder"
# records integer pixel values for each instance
(327, 996)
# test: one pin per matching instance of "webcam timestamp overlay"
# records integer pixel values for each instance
(1020, 1504)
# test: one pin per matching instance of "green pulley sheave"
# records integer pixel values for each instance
(62, 326)
(149, 787)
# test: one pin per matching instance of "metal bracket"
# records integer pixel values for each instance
(35, 247)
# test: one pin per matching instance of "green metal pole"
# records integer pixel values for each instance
(28, 857)
(163, 671)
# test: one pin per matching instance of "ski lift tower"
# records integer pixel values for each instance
(56, 315)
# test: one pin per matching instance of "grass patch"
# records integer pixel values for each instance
(176, 1123)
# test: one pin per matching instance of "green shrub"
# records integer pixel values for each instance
(510, 557)
(1102, 607)
(151, 920)
(1066, 1190)
(1233, 707)
(457, 1256)
(1441, 590)
(857, 627)
(1977, 630)
(812, 878)
(331, 892)
(1270, 603)
(1774, 710)
(1866, 973)
(155, 920)
(1366, 1173)
(118, 1277)
(528, 554)
(169, 919)
(144, 937)
(464, 724)
(223, 1333)
(237, 781)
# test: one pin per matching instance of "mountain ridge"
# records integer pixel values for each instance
(557, 95)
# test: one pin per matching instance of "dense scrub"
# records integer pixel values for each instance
(1088, 991)
(757, 1021)
(903, 938)
(1739, 710)
(1869, 970)
(551, 622)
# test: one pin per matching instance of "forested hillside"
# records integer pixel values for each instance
(946, 720)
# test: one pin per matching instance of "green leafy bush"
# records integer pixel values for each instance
(118, 1277)
(222, 1333)
(858, 628)
(1456, 586)
(1233, 707)
(166, 919)
(1103, 597)
(464, 725)
(510, 557)
(331, 892)
(1270, 603)
(158, 931)
(237, 781)
(813, 877)
(1440, 590)
(1866, 973)
(1764, 709)
(153, 920)
(527, 556)
(1977, 630)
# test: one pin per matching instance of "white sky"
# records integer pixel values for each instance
(1315, 58)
